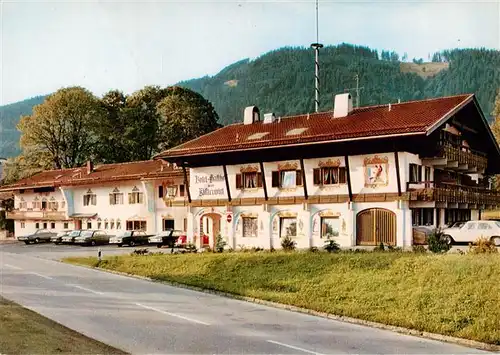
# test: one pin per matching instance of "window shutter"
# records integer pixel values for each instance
(342, 175)
(160, 191)
(238, 181)
(275, 179)
(94, 200)
(130, 199)
(259, 179)
(419, 173)
(111, 200)
(181, 190)
(316, 176)
(298, 179)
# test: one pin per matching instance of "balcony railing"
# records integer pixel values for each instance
(36, 215)
(452, 193)
(464, 156)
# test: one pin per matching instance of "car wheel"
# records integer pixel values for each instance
(37, 240)
(158, 245)
(131, 243)
(56, 243)
(120, 245)
(92, 243)
(27, 242)
(496, 241)
(447, 239)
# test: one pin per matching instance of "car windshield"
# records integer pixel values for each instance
(74, 234)
(458, 224)
(124, 234)
(87, 234)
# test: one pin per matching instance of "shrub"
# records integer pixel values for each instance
(220, 243)
(436, 242)
(140, 252)
(380, 247)
(313, 249)
(331, 245)
(419, 249)
(482, 246)
(287, 243)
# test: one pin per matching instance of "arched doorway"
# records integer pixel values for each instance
(375, 226)
(209, 229)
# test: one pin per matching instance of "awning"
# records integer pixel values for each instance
(83, 215)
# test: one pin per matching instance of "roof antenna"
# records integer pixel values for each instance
(399, 100)
(316, 47)
(389, 106)
(308, 115)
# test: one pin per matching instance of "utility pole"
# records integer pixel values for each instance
(357, 89)
(316, 46)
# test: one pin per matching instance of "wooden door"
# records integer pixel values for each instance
(375, 226)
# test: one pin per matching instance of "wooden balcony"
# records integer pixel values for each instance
(47, 215)
(454, 196)
(461, 159)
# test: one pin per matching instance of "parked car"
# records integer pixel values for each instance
(59, 236)
(473, 230)
(92, 237)
(168, 237)
(41, 235)
(130, 238)
(70, 237)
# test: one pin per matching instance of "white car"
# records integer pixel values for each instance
(473, 230)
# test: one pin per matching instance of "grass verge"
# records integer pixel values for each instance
(455, 295)
(25, 332)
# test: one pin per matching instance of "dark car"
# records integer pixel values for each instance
(130, 238)
(41, 235)
(57, 239)
(70, 237)
(168, 237)
(92, 237)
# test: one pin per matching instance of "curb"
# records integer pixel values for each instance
(401, 330)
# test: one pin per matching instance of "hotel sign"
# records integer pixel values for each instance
(209, 184)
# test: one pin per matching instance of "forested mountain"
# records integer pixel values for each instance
(282, 81)
(9, 117)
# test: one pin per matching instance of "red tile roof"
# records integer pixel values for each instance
(367, 122)
(149, 169)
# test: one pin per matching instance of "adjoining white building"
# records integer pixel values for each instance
(112, 197)
(363, 176)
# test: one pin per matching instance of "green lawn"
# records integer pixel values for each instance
(25, 332)
(457, 295)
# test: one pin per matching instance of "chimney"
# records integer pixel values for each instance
(269, 118)
(90, 167)
(251, 115)
(343, 105)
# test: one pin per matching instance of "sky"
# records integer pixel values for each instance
(125, 45)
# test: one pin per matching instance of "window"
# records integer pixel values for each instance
(23, 204)
(63, 204)
(112, 224)
(106, 224)
(160, 191)
(330, 227)
(136, 225)
(422, 216)
(286, 178)
(181, 190)
(44, 225)
(44, 204)
(116, 197)
(329, 176)
(65, 225)
(99, 223)
(288, 227)
(185, 224)
(249, 227)
(89, 199)
(52, 225)
(135, 197)
(249, 180)
(483, 226)
(89, 225)
(118, 224)
(168, 224)
(23, 225)
(37, 205)
(415, 173)
(37, 225)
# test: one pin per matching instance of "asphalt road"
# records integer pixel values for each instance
(145, 317)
